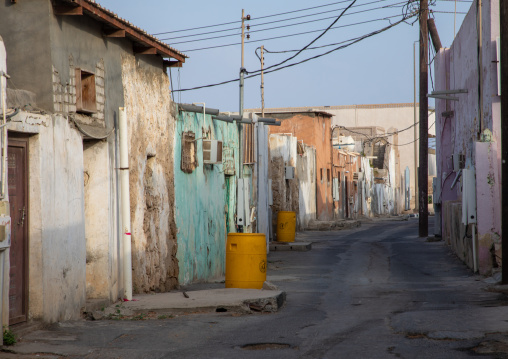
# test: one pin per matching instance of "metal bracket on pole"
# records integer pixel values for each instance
(441, 94)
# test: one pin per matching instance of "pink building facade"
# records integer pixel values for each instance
(468, 134)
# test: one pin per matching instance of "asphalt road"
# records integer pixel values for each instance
(377, 291)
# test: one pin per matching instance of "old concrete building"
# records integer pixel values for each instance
(398, 118)
(313, 129)
(73, 64)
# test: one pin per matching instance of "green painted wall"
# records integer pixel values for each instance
(200, 200)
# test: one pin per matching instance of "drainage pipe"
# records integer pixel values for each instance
(4, 131)
(125, 205)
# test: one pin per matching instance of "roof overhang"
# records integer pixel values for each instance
(114, 26)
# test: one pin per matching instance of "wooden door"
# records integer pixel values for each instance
(18, 200)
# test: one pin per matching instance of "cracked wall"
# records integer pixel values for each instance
(151, 127)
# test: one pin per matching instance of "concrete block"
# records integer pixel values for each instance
(291, 246)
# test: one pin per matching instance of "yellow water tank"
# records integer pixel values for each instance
(245, 260)
(286, 226)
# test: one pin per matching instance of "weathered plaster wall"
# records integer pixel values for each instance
(57, 251)
(488, 193)
(306, 170)
(283, 152)
(27, 39)
(151, 132)
(100, 258)
(204, 200)
(457, 68)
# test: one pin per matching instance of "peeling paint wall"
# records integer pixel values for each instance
(205, 199)
(283, 152)
(306, 171)
(151, 122)
(463, 131)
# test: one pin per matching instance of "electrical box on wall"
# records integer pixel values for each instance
(240, 207)
(468, 196)
(290, 172)
(458, 161)
(212, 151)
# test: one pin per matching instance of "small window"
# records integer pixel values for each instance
(322, 170)
(85, 92)
(328, 179)
(248, 143)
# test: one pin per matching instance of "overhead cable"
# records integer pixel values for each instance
(260, 17)
(282, 20)
(302, 61)
(387, 18)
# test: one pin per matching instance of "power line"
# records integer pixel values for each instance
(282, 20)
(260, 17)
(305, 60)
(291, 35)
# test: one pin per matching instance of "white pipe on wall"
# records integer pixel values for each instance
(125, 205)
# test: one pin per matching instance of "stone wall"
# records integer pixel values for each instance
(151, 129)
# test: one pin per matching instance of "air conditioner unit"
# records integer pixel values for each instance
(212, 151)
(357, 176)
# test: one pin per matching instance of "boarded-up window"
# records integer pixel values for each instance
(189, 160)
(248, 143)
(85, 92)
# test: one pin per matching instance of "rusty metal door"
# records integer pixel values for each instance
(18, 199)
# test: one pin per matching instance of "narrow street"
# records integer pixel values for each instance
(377, 291)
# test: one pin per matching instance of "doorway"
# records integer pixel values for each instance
(18, 201)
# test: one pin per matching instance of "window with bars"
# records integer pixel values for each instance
(189, 159)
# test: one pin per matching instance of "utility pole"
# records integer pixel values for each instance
(240, 126)
(415, 144)
(423, 191)
(262, 82)
(503, 12)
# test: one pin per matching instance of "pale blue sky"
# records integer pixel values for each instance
(376, 70)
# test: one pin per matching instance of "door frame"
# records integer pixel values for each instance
(20, 140)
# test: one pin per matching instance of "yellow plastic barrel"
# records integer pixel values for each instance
(286, 226)
(245, 260)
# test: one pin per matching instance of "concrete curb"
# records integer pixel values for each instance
(213, 300)
(291, 246)
(332, 225)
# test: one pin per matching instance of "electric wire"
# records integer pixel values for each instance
(266, 70)
(260, 17)
(297, 34)
(272, 15)
(281, 26)
(302, 61)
